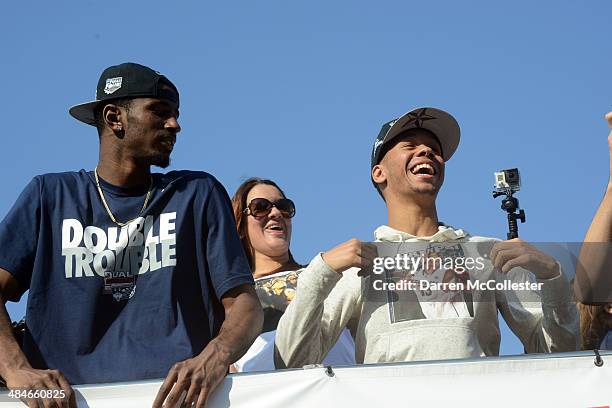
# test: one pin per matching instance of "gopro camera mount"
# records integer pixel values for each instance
(508, 182)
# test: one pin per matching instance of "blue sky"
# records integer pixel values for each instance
(297, 91)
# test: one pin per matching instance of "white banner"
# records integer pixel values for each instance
(558, 380)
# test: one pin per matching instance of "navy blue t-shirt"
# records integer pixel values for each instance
(118, 304)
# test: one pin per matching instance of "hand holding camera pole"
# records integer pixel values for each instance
(507, 182)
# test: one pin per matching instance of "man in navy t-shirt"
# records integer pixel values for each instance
(132, 274)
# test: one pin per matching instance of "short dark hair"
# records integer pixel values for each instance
(125, 103)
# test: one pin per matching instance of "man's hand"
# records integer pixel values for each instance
(14, 366)
(515, 252)
(38, 380)
(197, 377)
(352, 253)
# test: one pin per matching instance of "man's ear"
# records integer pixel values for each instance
(378, 174)
(113, 116)
(608, 308)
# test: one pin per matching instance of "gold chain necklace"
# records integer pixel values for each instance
(110, 214)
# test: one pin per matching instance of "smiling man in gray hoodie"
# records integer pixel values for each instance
(336, 290)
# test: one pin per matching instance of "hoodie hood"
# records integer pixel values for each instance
(445, 233)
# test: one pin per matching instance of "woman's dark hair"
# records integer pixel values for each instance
(595, 322)
(239, 205)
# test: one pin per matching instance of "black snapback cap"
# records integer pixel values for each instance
(127, 80)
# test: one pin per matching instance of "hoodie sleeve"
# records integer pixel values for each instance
(544, 321)
(324, 304)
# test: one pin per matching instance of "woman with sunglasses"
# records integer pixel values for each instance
(263, 217)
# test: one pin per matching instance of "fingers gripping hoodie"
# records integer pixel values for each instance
(421, 329)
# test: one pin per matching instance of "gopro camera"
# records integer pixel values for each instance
(507, 181)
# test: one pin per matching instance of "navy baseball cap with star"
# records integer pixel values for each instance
(127, 80)
(442, 124)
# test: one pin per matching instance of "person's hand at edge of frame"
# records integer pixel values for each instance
(609, 120)
(39, 380)
(17, 372)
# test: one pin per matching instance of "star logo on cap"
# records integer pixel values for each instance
(417, 118)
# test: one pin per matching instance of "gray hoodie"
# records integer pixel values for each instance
(326, 302)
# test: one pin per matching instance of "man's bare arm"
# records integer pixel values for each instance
(199, 376)
(14, 366)
(593, 277)
(600, 229)
(11, 356)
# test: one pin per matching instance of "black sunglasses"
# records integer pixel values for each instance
(260, 207)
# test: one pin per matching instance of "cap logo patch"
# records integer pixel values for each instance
(377, 143)
(417, 118)
(112, 85)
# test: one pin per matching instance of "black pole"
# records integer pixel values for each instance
(512, 226)
(510, 204)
